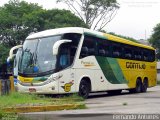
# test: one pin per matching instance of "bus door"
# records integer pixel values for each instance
(65, 60)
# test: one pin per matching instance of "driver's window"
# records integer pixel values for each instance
(64, 56)
(64, 59)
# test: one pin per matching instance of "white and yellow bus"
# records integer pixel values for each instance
(79, 60)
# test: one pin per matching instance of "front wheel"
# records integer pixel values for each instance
(84, 89)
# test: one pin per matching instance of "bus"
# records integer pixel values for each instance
(79, 60)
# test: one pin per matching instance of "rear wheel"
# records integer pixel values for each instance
(145, 85)
(138, 87)
(84, 89)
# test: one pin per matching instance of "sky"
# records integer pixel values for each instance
(135, 18)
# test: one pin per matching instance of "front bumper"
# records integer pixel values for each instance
(50, 88)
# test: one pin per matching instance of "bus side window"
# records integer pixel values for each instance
(128, 52)
(73, 45)
(137, 55)
(145, 55)
(151, 56)
(103, 48)
(102, 52)
(117, 50)
(116, 53)
(88, 47)
(84, 52)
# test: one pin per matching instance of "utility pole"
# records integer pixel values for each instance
(145, 37)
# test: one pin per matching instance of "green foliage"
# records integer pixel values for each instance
(12, 28)
(125, 37)
(20, 99)
(155, 39)
(62, 18)
(18, 19)
(4, 51)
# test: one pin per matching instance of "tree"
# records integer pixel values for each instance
(62, 18)
(154, 40)
(19, 19)
(12, 29)
(95, 13)
(4, 51)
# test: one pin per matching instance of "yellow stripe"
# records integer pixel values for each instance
(24, 79)
(125, 41)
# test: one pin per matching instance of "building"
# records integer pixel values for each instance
(158, 71)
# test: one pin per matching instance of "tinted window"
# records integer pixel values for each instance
(107, 48)
(116, 50)
(73, 45)
(88, 47)
(103, 48)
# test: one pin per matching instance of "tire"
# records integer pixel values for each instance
(138, 87)
(84, 89)
(145, 85)
(114, 92)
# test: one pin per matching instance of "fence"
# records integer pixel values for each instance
(6, 85)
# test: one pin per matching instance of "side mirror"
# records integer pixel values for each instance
(11, 54)
(57, 44)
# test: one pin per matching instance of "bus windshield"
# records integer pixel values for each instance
(37, 55)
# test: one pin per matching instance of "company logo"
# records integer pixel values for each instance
(87, 64)
(67, 87)
(133, 65)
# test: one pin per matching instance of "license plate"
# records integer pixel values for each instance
(32, 90)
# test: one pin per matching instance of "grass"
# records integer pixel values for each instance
(18, 99)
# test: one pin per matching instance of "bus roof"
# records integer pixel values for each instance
(80, 30)
(125, 41)
(52, 32)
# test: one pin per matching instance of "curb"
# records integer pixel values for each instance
(26, 109)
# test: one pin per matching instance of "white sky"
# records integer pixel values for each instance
(135, 18)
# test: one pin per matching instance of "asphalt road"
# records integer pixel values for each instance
(104, 107)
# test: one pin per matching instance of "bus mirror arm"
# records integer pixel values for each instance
(11, 55)
(58, 43)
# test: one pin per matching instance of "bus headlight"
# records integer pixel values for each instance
(53, 78)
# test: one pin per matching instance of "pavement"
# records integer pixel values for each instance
(102, 106)
(144, 103)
